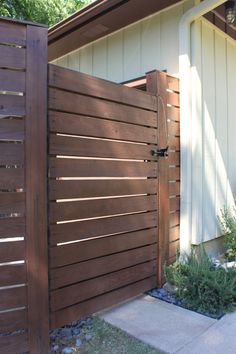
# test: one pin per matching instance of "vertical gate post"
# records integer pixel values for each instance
(36, 188)
(157, 84)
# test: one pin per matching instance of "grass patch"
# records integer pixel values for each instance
(107, 339)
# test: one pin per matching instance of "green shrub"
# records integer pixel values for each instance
(201, 285)
(227, 222)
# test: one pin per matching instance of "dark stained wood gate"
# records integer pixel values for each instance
(103, 193)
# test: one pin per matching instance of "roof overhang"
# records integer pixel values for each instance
(97, 20)
(103, 17)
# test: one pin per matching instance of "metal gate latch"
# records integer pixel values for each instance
(160, 152)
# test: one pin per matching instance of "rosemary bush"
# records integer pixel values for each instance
(227, 221)
(201, 285)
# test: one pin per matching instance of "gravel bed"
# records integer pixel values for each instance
(163, 294)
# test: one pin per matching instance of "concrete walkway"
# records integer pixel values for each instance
(172, 329)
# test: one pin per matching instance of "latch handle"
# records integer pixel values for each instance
(160, 152)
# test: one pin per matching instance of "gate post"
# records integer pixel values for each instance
(157, 85)
(36, 188)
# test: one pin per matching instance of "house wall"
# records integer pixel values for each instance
(213, 128)
(153, 44)
(131, 52)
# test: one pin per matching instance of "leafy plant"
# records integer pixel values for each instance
(227, 221)
(201, 285)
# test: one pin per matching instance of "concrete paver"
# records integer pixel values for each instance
(164, 326)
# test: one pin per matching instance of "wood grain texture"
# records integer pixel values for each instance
(12, 227)
(74, 103)
(12, 33)
(82, 291)
(12, 105)
(36, 190)
(12, 57)
(92, 268)
(11, 178)
(73, 146)
(11, 129)
(99, 227)
(100, 247)
(11, 154)
(14, 344)
(12, 203)
(62, 167)
(13, 321)
(13, 298)
(76, 124)
(91, 86)
(12, 80)
(69, 314)
(12, 251)
(102, 207)
(13, 274)
(100, 188)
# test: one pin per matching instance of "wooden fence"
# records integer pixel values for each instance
(23, 181)
(94, 147)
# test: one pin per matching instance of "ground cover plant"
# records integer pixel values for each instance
(227, 221)
(201, 285)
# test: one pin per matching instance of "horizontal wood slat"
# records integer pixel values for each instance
(12, 227)
(69, 314)
(91, 86)
(73, 294)
(12, 33)
(71, 146)
(99, 227)
(174, 188)
(174, 234)
(174, 143)
(102, 207)
(174, 247)
(174, 218)
(12, 251)
(92, 268)
(82, 251)
(13, 274)
(12, 105)
(174, 173)
(61, 167)
(11, 154)
(173, 113)
(76, 124)
(13, 321)
(174, 204)
(11, 178)
(12, 57)
(11, 129)
(12, 203)
(173, 83)
(11, 80)
(174, 158)
(14, 344)
(173, 128)
(100, 188)
(75, 103)
(173, 98)
(13, 298)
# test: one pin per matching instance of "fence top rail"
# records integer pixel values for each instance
(21, 22)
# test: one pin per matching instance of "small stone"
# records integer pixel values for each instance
(55, 348)
(66, 332)
(78, 343)
(88, 337)
(170, 288)
(67, 350)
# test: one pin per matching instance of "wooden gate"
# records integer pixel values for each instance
(103, 193)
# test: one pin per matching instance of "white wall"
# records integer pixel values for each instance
(214, 128)
(129, 53)
(153, 44)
